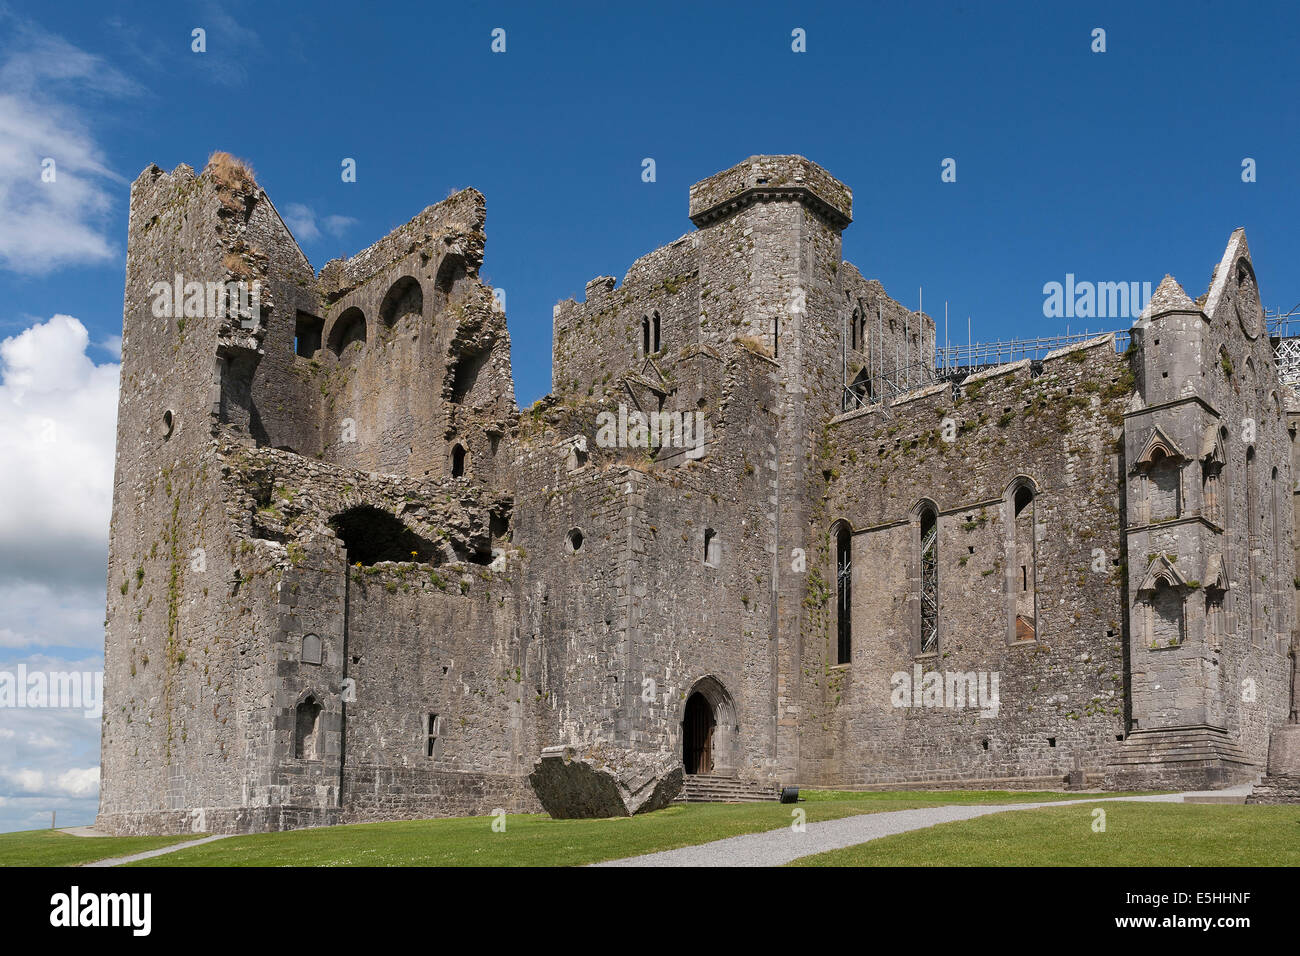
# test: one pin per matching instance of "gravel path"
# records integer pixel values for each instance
(119, 860)
(778, 847)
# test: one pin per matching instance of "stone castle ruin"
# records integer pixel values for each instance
(350, 580)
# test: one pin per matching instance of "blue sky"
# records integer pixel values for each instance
(1117, 166)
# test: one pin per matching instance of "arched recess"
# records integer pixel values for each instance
(306, 728)
(1246, 303)
(1162, 603)
(1160, 467)
(371, 535)
(448, 281)
(842, 539)
(1020, 506)
(404, 297)
(349, 327)
(715, 744)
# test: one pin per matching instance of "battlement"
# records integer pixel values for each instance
(768, 179)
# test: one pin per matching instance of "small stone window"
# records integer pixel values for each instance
(574, 540)
(577, 457)
(712, 548)
(458, 460)
(169, 422)
(311, 649)
(431, 736)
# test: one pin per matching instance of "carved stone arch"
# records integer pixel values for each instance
(923, 504)
(723, 738)
(1018, 482)
(1160, 570)
(404, 297)
(1158, 446)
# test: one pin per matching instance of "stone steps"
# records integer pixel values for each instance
(708, 788)
(1180, 758)
(1276, 788)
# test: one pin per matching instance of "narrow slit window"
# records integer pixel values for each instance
(844, 594)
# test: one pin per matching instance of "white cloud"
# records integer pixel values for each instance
(77, 782)
(46, 225)
(58, 412)
(48, 755)
(301, 221)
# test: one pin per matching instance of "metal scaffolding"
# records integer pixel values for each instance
(1284, 332)
(952, 363)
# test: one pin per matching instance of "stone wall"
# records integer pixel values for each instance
(1062, 692)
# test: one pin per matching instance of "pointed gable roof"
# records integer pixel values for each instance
(1212, 446)
(1161, 443)
(1161, 569)
(1216, 577)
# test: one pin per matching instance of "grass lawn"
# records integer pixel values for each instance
(537, 840)
(1137, 834)
(52, 848)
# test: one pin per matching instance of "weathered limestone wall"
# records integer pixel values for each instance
(187, 664)
(1061, 695)
(433, 370)
(597, 340)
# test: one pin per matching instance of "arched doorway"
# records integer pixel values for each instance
(710, 733)
(697, 735)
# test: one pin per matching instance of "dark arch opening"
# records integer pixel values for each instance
(371, 535)
(348, 328)
(458, 460)
(698, 725)
(404, 297)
